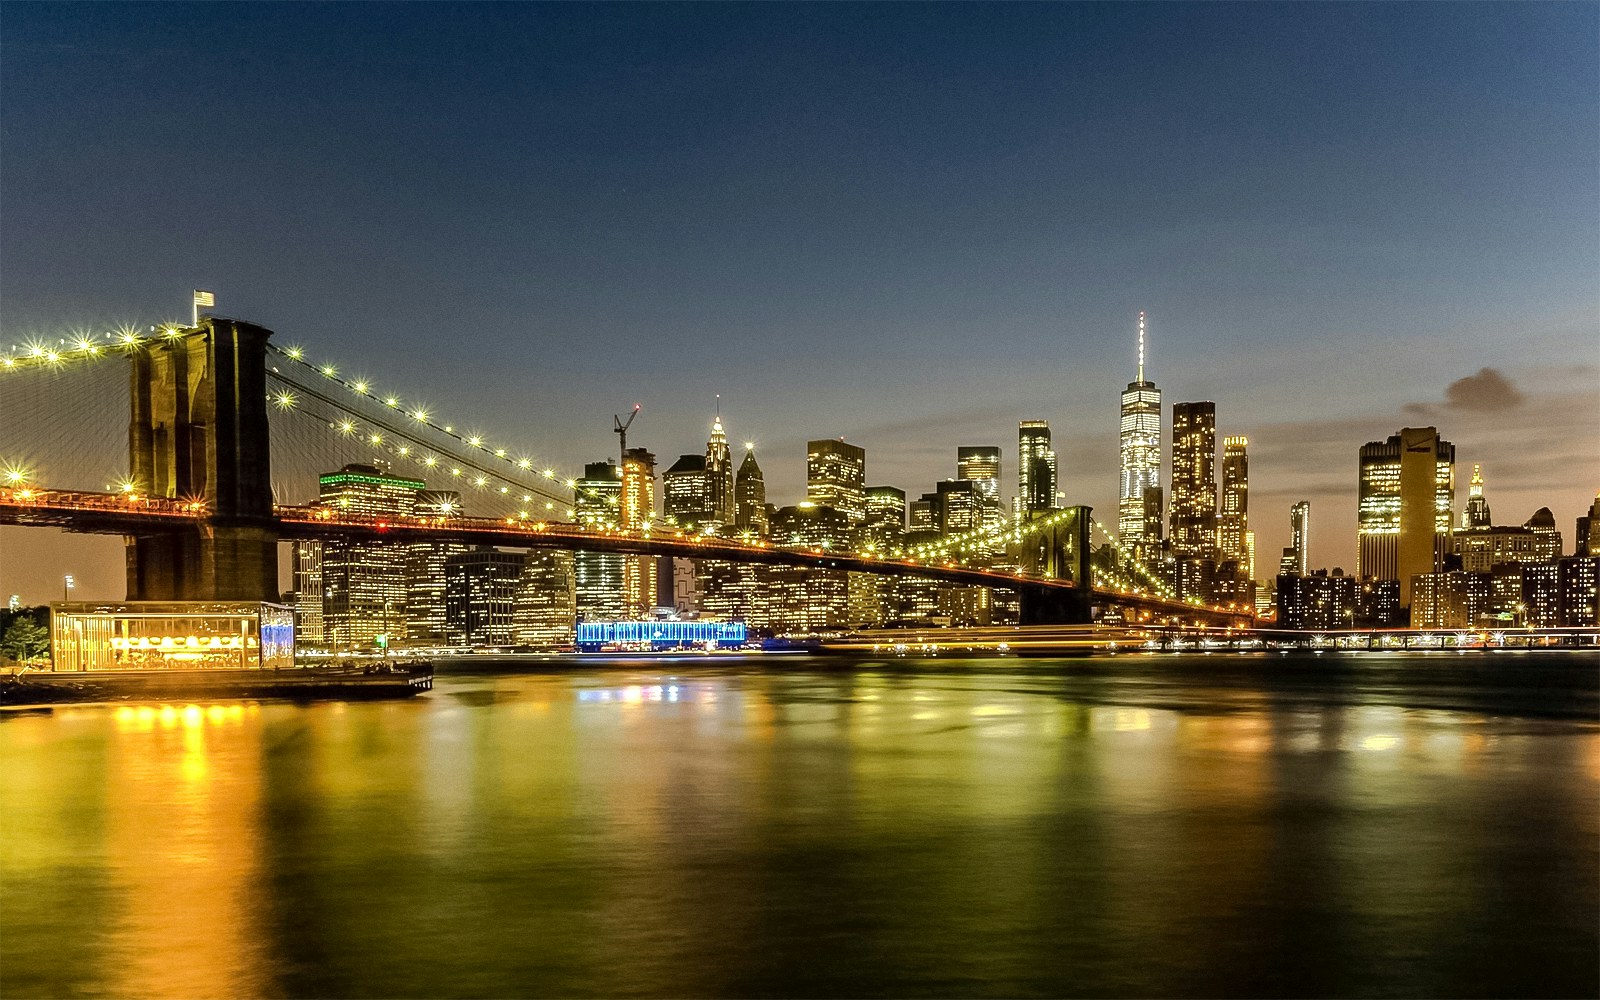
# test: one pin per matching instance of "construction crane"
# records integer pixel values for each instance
(622, 434)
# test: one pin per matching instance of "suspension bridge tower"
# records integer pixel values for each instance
(198, 431)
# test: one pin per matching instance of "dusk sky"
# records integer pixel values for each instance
(910, 226)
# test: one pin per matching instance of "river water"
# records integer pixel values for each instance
(1372, 824)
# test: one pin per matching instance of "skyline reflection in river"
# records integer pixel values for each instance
(1136, 827)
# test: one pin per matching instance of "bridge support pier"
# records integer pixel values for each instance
(198, 431)
(1061, 552)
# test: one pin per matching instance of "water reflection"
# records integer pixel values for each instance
(846, 832)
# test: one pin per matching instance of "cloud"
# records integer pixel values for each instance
(1487, 390)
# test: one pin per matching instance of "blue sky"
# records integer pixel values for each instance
(910, 225)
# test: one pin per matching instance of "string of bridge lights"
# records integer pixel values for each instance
(83, 346)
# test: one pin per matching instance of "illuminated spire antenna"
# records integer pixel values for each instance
(1141, 345)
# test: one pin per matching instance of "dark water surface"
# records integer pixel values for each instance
(1398, 825)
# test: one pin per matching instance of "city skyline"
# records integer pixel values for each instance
(1316, 256)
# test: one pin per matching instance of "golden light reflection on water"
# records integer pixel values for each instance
(642, 821)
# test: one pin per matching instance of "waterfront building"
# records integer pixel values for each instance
(750, 496)
(480, 593)
(1541, 595)
(980, 465)
(1451, 599)
(1194, 498)
(686, 494)
(1405, 496)
(597, 576)
(364, 582)
(308, 592)
(1578, 605)
(802, 599)
(1141, 460)
(1318, 600)
(640, 578)
(1233, 516)
(1036, 469)
(722, 500)
(1300, 532)
(425, 586)
(886, 517)
(1378, 605)
(545, 605)
(836, 477)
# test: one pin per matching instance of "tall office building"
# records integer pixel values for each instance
(719, 477)
(1233, 517)
(1476, 514)
(1036, 469)
(597, 576)
(544, 611)
(640, 579)
(364, 582)
(308, 592)
(1141, 457)
(480, 588)
(750, 496)
(686, 493)
(1405, 497)
(1194, 498)
(836, 476)
(1300, 533)
(960, 506)
(980, 465)
(1588, 532)
(425, 561)
(886, 517)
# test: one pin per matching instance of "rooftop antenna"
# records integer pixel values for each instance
(622, 432)
(1141, 345)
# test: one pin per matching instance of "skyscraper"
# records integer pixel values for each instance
(836, 476)
(686, 492)
(719, 476)
(980, 465)
(364, 582)
(1406, 494)
(638, 510)
(425, 562)
(1194, 497)
(1300, 532)
(960, 506)
(597, 576)
(1233, 517)
(1036, 468)
(1141, 457)
(481, 596)
(750, 495)
(544, 611)
(886, 516)
(1476, 514)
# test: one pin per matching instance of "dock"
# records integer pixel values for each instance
(342, 682)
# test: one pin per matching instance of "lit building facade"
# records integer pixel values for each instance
(1141, 457)
(1317, 601)
(980, 466)
(836, 476)
(545, 607)
(1476, 514)
(481, 597)
(425, 602)
(1233, 516)
(364, 582)
(1194, 498)
(1300, 533)
(1405, 499)
(308, 592)
(597, 576)
(686, 493)
(750, 497)
(1036, 469)
(721, 501)
(886, 517)
(640, 579)
(960, 506)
